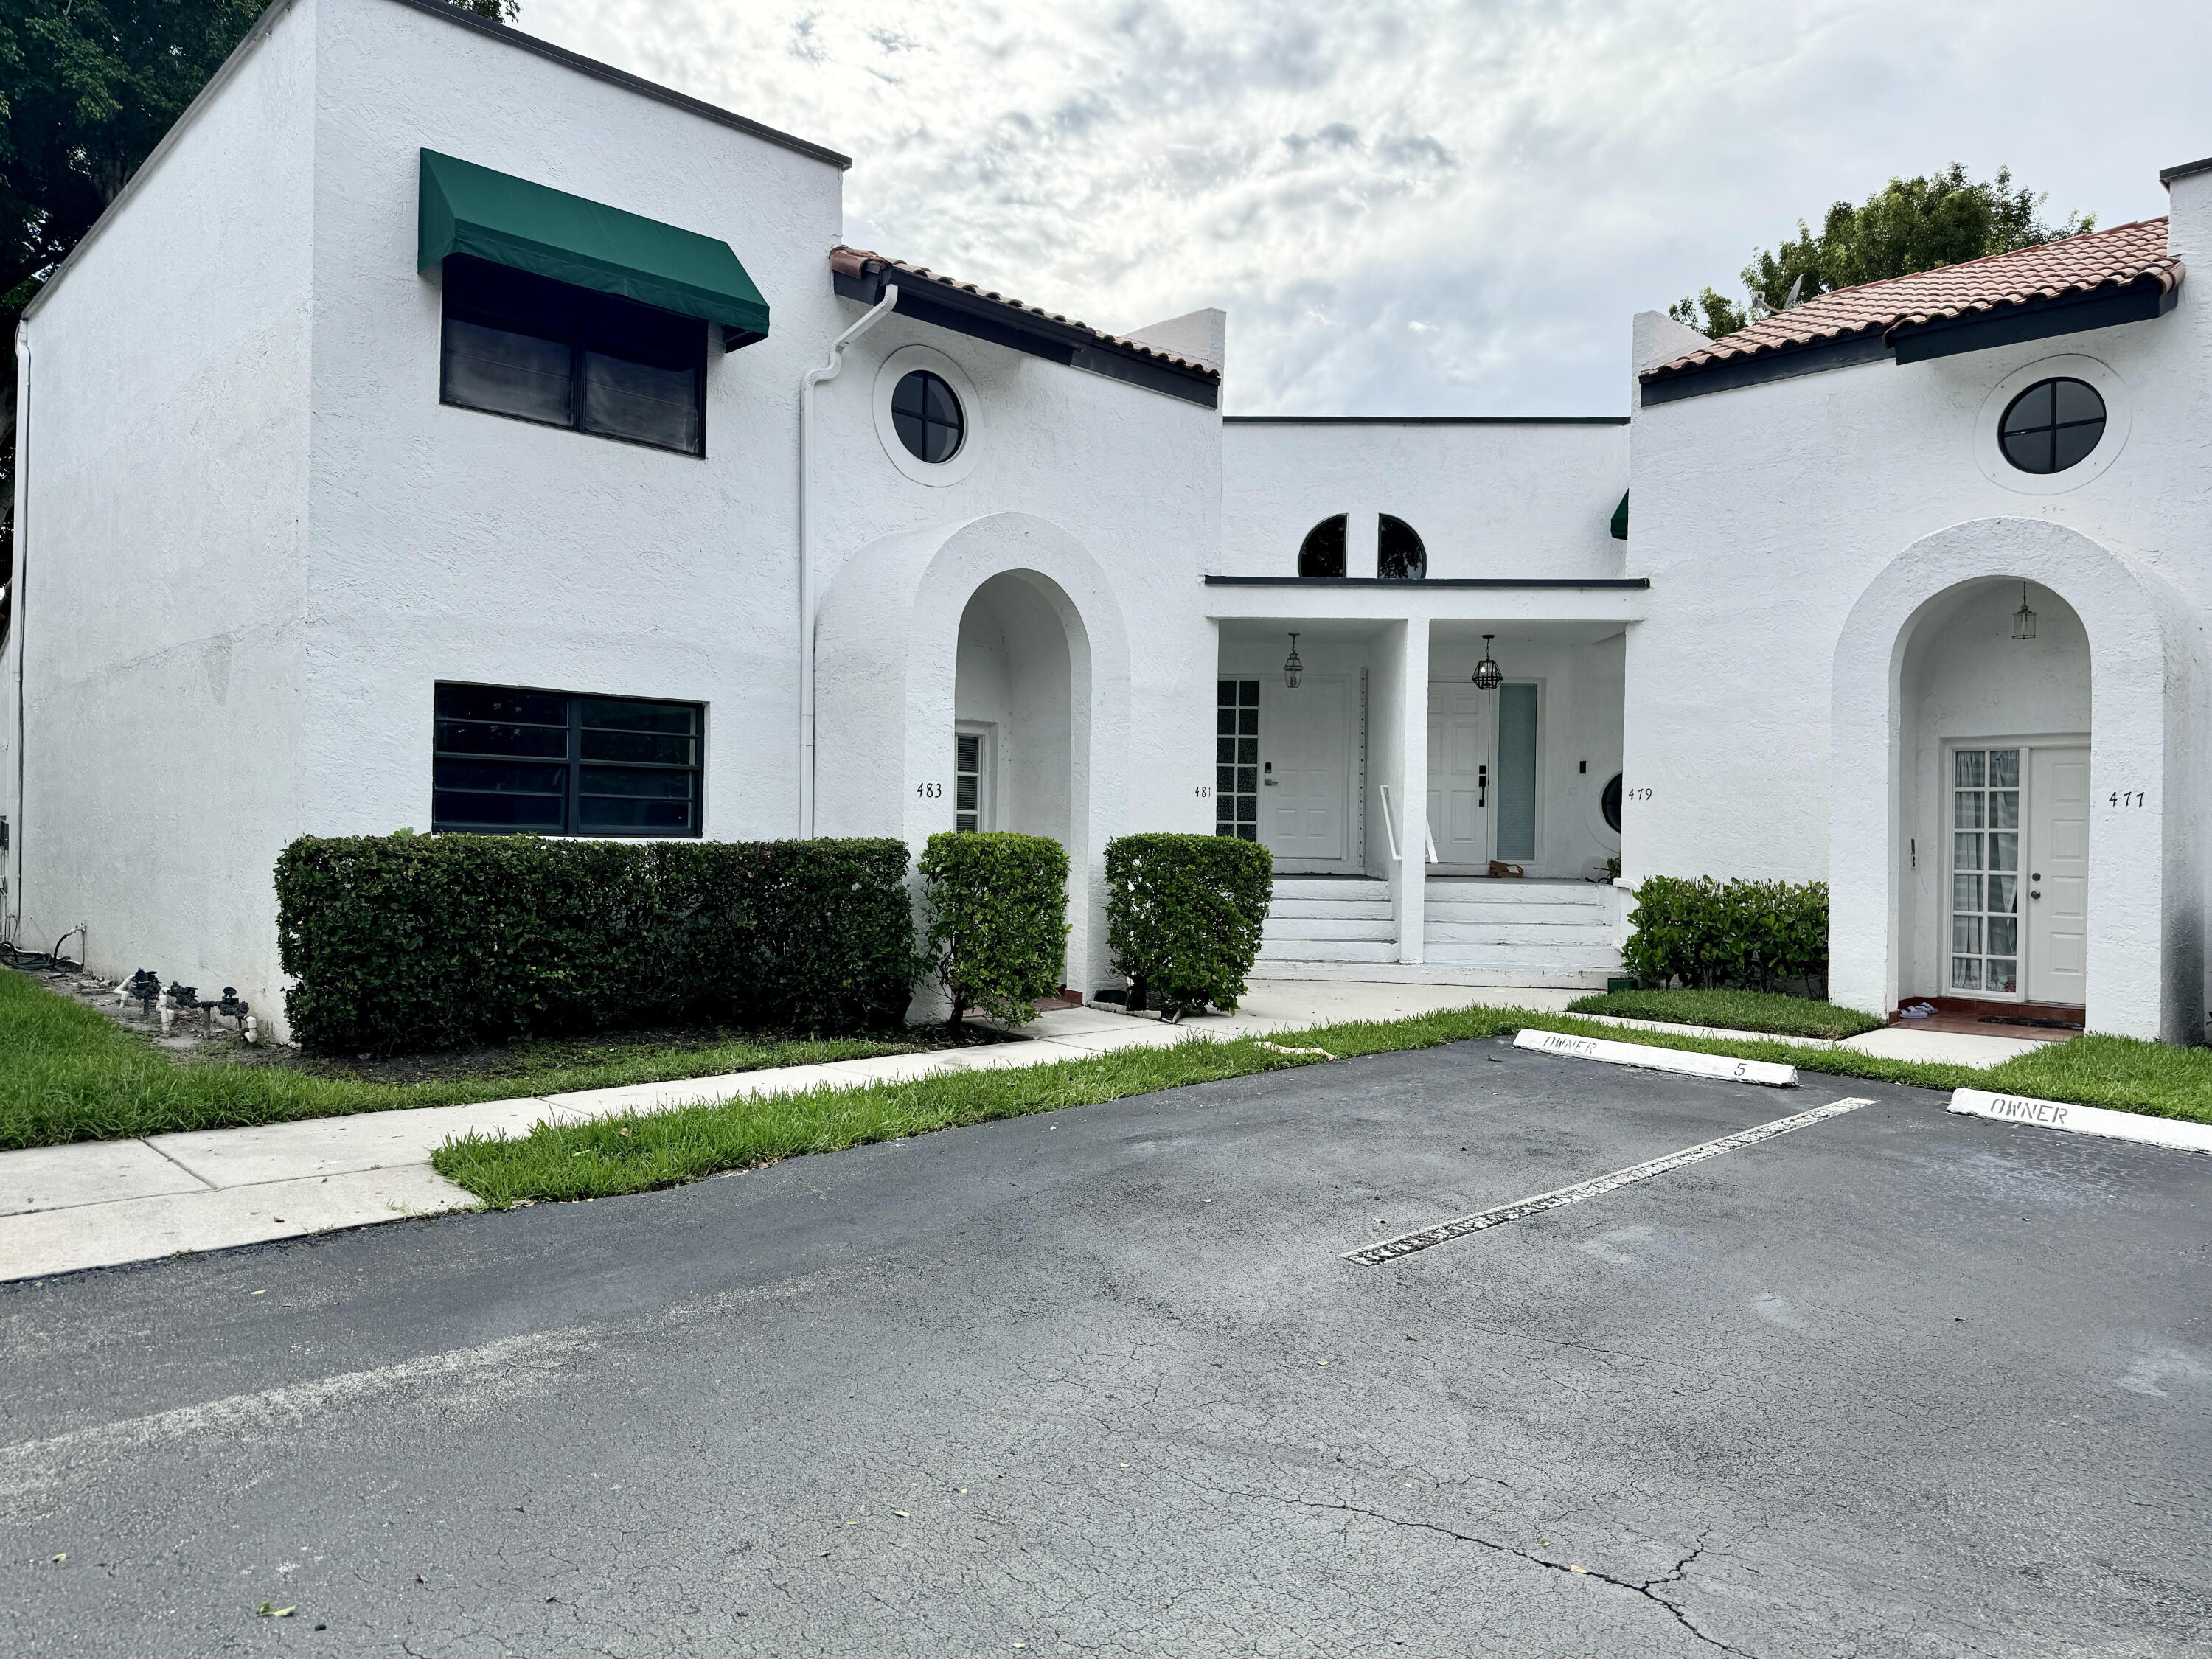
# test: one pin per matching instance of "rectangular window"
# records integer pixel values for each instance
(551, 764)
(527, 346)
(1237, 759)
(1985, 837)
(1516, 772)
(970, 783)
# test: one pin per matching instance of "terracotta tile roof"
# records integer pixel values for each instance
(859, 262)
(2125, 256)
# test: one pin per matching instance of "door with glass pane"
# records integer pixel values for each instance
(1985, 837)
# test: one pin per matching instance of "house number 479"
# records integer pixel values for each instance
(2127, 798)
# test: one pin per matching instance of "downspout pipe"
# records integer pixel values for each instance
(12, 925)
(807, 597)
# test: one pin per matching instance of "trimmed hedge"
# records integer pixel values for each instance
(1750, 935)
(998, 920)
(405, 942)
(1184, 916)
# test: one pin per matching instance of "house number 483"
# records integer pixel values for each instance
(2128, 798)
(929, 791)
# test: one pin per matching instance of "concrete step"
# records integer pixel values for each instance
(1435, 973)
(1288, 909)
(1507, 892)
(1593, 936)
(1481, 910)
(1274, 955)
(1331, 887)
(1304, 928)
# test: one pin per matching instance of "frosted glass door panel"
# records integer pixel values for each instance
(1516, 773)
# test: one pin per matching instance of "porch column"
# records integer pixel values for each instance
(1409, 895)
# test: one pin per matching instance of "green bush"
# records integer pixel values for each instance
(1751, 935)
(1184, 916)
(407, 942)
(998, 920)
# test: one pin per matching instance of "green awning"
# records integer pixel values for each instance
(466, 209)
(1620, 519)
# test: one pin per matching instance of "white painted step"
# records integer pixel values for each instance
(1595, 935)
(1435, 973)
(1569, 959)
(1327, 928)
(1300, 909)
(1280, 954)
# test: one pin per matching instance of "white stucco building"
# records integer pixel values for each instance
(395, 453)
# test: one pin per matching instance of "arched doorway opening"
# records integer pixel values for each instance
(1012, 744)
(1994, 782)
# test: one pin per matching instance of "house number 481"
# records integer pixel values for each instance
(2128, 798)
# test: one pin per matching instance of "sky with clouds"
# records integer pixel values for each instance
(1415, 209)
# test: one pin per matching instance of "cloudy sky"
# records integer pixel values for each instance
(1416, 206)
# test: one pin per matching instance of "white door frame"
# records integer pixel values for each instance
(1489, 810)
(1941, 923)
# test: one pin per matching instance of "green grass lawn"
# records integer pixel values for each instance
(634, 1153)
(1737, 1010)
(68, 1073)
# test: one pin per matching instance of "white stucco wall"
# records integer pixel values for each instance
(1487, 497)
(164, 533)
(1764, 515)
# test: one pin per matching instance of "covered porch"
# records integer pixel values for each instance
(1500, 872)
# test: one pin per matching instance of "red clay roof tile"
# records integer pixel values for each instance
(855, 262)
(2114, 259)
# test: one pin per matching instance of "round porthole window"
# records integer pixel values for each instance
(1609, 804)
(2051, 426)
(927, 414)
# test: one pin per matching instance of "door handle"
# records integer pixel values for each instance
(2034, 893)
(1482, 786)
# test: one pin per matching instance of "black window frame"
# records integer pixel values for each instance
(452, 750)
(2045, 437)
(1400, 555)
(1322, 553)
(488, 294)
(957, 425)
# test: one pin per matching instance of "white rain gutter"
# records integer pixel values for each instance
(815, 377)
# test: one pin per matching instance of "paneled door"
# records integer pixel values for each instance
(2058, 875)
(1462, 773)
(1305, 771)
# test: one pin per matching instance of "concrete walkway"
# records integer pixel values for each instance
(98, 1204)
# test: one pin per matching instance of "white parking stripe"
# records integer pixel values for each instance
(1374, 1256)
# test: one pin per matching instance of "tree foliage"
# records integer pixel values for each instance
(1907, 226)
(87, 88)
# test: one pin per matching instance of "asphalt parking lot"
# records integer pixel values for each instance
(1101, 1381)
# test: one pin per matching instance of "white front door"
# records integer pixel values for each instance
(1461, 772)
(2058, 875)
(1305, 770)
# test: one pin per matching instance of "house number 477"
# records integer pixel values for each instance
(2127, 798)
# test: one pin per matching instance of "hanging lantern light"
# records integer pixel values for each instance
(2023, 619)
(1292, 666)
(1488, 676)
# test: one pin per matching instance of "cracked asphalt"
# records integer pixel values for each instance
(1098, 1381)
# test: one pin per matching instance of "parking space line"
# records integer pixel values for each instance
(1374, 1256)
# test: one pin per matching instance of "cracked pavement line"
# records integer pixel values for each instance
(1374, 1256)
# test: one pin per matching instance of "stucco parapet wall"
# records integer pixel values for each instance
(1566, 599)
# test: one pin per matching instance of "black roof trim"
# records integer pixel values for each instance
(2167, 175)
(1019, 329)
(1424, 420)
(2139, 303)
(1628, 582)
(626, 80)
(1782, 365)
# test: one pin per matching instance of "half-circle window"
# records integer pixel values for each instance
(1609, 804)
(1399, 555)
(1321, 553)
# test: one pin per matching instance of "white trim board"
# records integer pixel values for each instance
(1686, 1061)
(2083, 1119)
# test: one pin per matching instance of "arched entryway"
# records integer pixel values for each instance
(1003, 630)
(1925, 670)
(1013, 741)
(1995, 778)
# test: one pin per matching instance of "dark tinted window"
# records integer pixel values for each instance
(1321, 553)
(2052, 425)
(550, 764)
(1399, 555)
(541, 351)
(1609, 803)
(928, 415)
